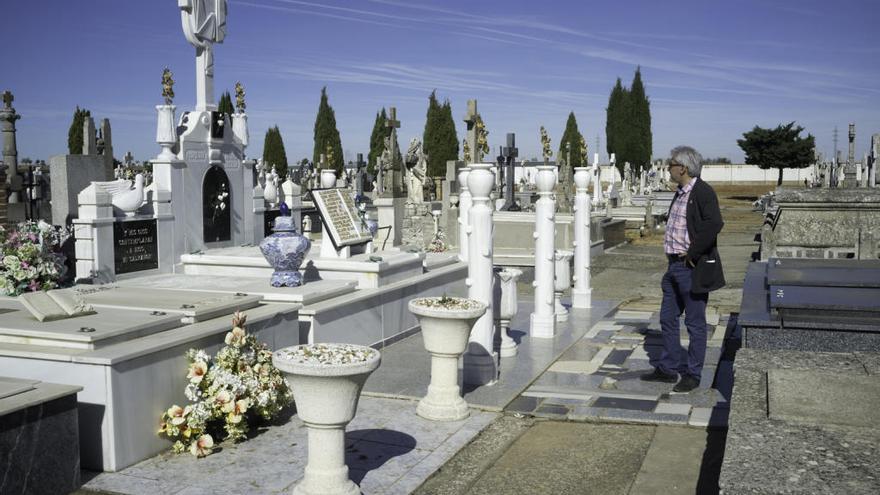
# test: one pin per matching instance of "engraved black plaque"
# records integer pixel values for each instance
(135, 247)
(216, 209)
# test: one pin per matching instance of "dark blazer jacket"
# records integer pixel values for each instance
(704, 223)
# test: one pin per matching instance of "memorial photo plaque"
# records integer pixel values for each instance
(340, 216)
(135, 247)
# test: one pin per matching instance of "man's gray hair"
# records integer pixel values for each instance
(689, 157)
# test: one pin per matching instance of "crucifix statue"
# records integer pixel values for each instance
(204, 23)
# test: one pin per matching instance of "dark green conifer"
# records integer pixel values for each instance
(273, 151)
(75, 133)
(327, 136)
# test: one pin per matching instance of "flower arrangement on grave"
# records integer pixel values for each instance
(545, 144)
(482, 137)
(228, 392)
(167, 86)
(239, 97)
(31, 258)
(438, 242)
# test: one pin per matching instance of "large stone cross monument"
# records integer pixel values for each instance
(471, 118)
(392, 166)
(204, 23)
(392, 199)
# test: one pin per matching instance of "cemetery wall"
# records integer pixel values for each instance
(741, 173)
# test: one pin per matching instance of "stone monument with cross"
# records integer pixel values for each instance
(12, 208)
(392, 169)
(391, 200)
(204, 193)
(509, 154)
(566, 176)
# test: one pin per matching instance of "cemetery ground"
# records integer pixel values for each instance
(586, 424)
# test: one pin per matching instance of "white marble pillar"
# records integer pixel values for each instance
(543, 319)
(480, 361)
(581, 294)
(464, 207)
(507, 305)
(562, 271)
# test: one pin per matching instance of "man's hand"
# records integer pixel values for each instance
(689, 262)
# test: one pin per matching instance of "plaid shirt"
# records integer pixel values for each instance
(677, 240)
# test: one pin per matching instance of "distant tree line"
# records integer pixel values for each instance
(719, 160)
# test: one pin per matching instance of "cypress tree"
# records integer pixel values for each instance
(377, 141)
(448, 141)
(326, 135)
(641, 122)
(75, 133)
(612, 118)
(441, 141)
(273, 151)
(225, 104)
(573, 137)
(431, 134)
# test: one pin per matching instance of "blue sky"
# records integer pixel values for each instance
(712, 69)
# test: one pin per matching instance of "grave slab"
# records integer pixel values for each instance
(310, 293)
(39, 444)
(191, 306)
(824, 398)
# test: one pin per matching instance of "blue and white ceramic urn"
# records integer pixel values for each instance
(285, 250)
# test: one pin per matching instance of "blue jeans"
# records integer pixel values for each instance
(678, 298)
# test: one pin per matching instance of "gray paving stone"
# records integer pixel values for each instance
(670, 408)
(552, 411)
(629, 404)
(523, 404)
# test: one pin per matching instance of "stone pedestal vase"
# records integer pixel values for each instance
(285, 250)
(562, 262)
(328, 178)
(507, 307)
(326, 381)
(240, 128)
(446, 324)
(166, 134)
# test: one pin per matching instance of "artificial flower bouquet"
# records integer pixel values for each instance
(30, 257)
(227, 393)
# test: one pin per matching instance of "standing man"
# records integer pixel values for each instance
(694, 221)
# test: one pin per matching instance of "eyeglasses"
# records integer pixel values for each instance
(670, 165)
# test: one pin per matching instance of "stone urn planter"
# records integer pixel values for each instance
(326, 381)
(562, 282)
(285, 250)
(507, 305)
(446, 325)
(166, 135)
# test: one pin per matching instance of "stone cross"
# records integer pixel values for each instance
(472, 139)
(359, 175)
(7, 129)
(204, 23)
(396, 171)
(509, 152)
